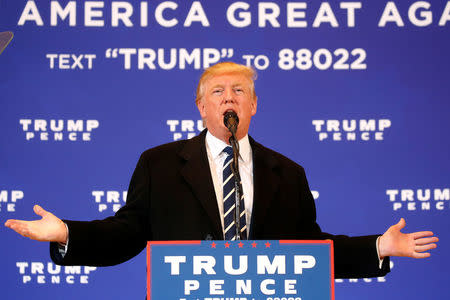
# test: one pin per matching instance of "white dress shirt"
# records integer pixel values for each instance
(216, 158)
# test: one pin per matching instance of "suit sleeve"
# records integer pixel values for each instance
(117, 238)
(354, 257)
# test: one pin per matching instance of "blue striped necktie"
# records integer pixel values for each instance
(229, 200)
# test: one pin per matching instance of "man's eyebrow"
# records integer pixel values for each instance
(219, 85)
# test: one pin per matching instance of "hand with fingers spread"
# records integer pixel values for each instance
(395, 243)
(48, 229)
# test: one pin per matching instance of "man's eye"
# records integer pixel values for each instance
(239, 91)
(217, 92)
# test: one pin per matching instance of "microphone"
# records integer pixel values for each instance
(231, 121)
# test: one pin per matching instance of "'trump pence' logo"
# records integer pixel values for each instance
(184, 129)
(109, 201)
(351, 130)
(58, 130)
(420, 199)
(49, 273)
(365, 280)
(8, 200)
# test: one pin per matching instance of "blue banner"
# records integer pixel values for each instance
(356, 92)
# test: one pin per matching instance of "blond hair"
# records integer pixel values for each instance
(221, 68)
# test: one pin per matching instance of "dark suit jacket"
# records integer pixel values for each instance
(171, 197)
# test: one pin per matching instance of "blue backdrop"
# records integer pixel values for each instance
(358, 91)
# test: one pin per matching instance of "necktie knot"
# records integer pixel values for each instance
(228, 150)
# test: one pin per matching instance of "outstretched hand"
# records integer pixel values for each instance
(395, 243)
(48, 229)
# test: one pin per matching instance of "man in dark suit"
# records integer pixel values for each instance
(176, 194)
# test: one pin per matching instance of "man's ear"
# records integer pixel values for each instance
(201, 108)
(254, 105)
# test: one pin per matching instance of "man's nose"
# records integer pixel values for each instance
(228, 96)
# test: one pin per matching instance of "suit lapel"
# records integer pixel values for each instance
(265, 185)
(197, 174)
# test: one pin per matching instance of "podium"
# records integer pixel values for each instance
(240, 270)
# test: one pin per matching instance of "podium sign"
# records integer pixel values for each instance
(240, 270)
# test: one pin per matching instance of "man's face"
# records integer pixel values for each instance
(223, 93)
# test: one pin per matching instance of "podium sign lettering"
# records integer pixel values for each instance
(240, 270)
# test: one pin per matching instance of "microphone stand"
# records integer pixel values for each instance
(237, 186)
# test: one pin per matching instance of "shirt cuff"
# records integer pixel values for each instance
(62, 248)
(380, 260)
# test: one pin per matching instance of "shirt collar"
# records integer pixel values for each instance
(216, 146)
